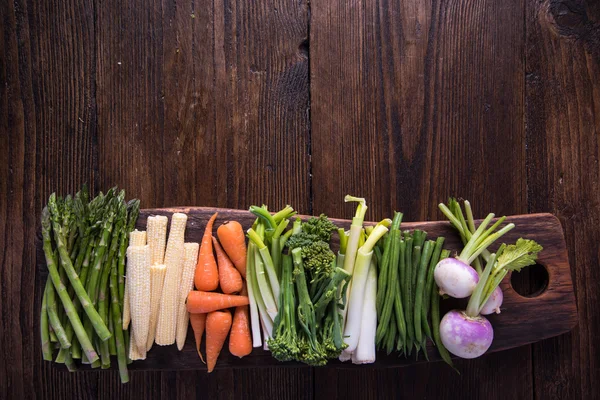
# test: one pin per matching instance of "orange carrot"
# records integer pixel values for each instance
(206, 276)
(230, 279)
(232, 238)
(198, 321)
(204, 302)
(240, 339)
(218, 324)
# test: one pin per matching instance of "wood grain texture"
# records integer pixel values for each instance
(403, 89)
(129, 94)
(523, 320)
(412, 102)
(563, 127)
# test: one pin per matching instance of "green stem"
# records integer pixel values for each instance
(352, 244)
(491, 239)
(416, 259)
(52, 335)
(103, 295)
(452, 218)
(70, 364)
(283, 214)
(398, 306)
(471, 245)
(62, 291)
(490, 230)
(284, 238)
(435, 323)
(118, 325)
(343, 241)
(388, 294)
(385, 262)
(420, 288)
(474, 305)
(276, 246)
(306, 312)
(329, 293)
(269, 266)
(407, 290)
(76, 346)
(435, 258)
(54, 319)
(44, 329)
(391, 335)
(264, 295)
(265, 216)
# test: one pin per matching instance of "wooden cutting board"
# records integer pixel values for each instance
(523, 319)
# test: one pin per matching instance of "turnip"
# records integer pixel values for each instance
(492, 305)
(455, 276)
(468, 334)
(465, 336)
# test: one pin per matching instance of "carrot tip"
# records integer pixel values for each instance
(200, 354)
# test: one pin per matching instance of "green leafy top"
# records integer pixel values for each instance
(519, 255)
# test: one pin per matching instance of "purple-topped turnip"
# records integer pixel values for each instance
(494, 302)
(468, 334)
(465, 336)
(455, 276)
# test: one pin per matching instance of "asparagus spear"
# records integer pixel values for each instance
(117, 323)
(61, 290)
(112, 344)
(102, 310)
(53, 338)
(53, 317)
(92, 284)
(65, 261)
(44, 330)
(76, 346)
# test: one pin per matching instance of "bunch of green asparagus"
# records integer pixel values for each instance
(84, 245)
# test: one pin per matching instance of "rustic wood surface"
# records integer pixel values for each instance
(226, 104)
(525, 319)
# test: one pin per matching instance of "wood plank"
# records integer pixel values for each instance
(563, 124)
(412, 102)
(16, 183)
(46, 105)
(523, 319)
(204, 110)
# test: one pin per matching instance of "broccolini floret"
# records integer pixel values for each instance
(320, 226)
(308, 323)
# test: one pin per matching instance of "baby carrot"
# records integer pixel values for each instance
(240, 339)
(198, 322)
(203, 302)
(206, 276)
(230, 279)
(218, 324)
(232, 238)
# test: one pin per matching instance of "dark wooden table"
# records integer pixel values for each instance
(226, 104)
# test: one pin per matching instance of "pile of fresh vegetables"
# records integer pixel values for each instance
(209, 309)
(290, 290)
(294, 287)
(406, 295)
(160, 301)
(84, 244)
(467, 333)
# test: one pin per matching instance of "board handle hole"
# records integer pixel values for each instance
(532, 281)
